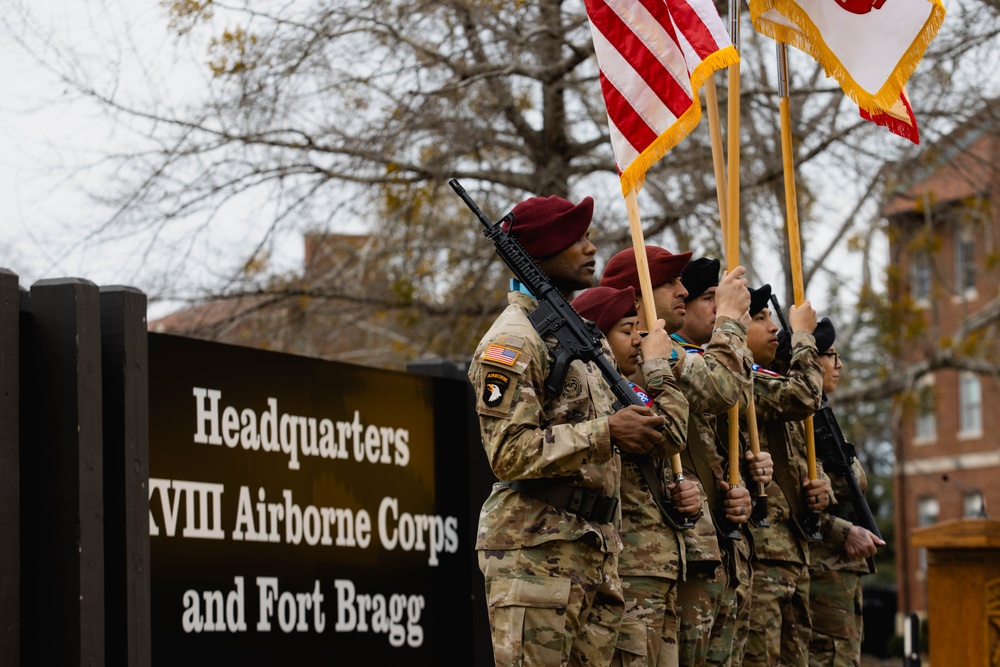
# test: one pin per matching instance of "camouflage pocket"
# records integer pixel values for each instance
(529, 619)
(835, 621)
(633, 641)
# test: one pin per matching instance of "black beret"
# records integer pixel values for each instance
(664, 266)
(605, 306)
(546, 226)
(824, 333)
(759, 298)
(699, 275)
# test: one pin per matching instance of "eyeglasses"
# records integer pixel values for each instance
(834, 354)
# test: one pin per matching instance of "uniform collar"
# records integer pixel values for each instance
(517, 286)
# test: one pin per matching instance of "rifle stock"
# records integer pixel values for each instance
(576, 337)
(838, 456)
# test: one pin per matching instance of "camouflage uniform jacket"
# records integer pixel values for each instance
(712, 379)
(651, 547)
(829, 554)
(782, 401)
(528, 435)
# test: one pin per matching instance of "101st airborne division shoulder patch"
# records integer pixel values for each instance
(495, 385)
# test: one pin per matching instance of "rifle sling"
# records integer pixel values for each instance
(645, 465)
(783, 473)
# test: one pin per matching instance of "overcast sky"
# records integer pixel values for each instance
(51, 140)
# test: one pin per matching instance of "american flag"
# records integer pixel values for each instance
(654, 55)
(501, 354)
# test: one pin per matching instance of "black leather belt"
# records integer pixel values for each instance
(584, 503)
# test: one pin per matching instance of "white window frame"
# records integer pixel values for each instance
(925, 418)
(920, 278)
(964, 243)
(973, 505)
(970, 406)
(928, 513)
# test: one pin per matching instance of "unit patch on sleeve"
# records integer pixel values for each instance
(501, 354)
(495, 385)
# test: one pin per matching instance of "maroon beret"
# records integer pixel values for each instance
(546, 226)
(664, 266)
(605, 306)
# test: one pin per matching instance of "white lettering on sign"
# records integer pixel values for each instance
(202, 508)
(209, 612)
(397, 615)
(294, 435)
(416, 532)
(287, 521)
(294, 612)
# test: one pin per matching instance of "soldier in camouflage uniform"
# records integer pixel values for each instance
(780, 625)
(548, 535)
(650, 561)
(715, 596)
(837, 564)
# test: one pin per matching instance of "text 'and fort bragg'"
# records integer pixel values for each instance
(295, 435)
(396, 615)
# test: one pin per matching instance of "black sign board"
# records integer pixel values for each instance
(305, 510)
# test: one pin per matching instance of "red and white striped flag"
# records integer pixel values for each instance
(654, 56)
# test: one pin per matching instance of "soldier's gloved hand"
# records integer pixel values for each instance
(634, 429)
(802, 317)
(737, 505)
(685, 497)
(861, 543)
(818, 494)
(732, 298)
(760, 466)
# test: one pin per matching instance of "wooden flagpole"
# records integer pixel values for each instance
(792, 216)
(646, 289)
(731, 223)
(729, 215)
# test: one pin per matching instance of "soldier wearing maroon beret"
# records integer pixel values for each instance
(650, 563)
(548, 536)
(712, 379)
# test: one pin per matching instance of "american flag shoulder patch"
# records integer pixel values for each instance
(501, 354)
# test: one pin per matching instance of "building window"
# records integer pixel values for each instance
(965, 266)
(927, 514)
(920, 277)
(970, 405)
(925, 424)
(973, 504)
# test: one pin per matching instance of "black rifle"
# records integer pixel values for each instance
(576, 338)
(808, 520)
(838, 457)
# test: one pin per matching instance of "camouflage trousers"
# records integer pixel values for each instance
(715, 612)
(559, 603)
(648, 636)
(780, 623)
(838, 626)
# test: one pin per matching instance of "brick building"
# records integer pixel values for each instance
(944, 284)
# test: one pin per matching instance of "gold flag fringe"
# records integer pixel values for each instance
(810, 41)
(634, 175)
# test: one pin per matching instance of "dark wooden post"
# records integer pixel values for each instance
(464, 460)
(125, 377)
(10, 501)
(62, 514)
